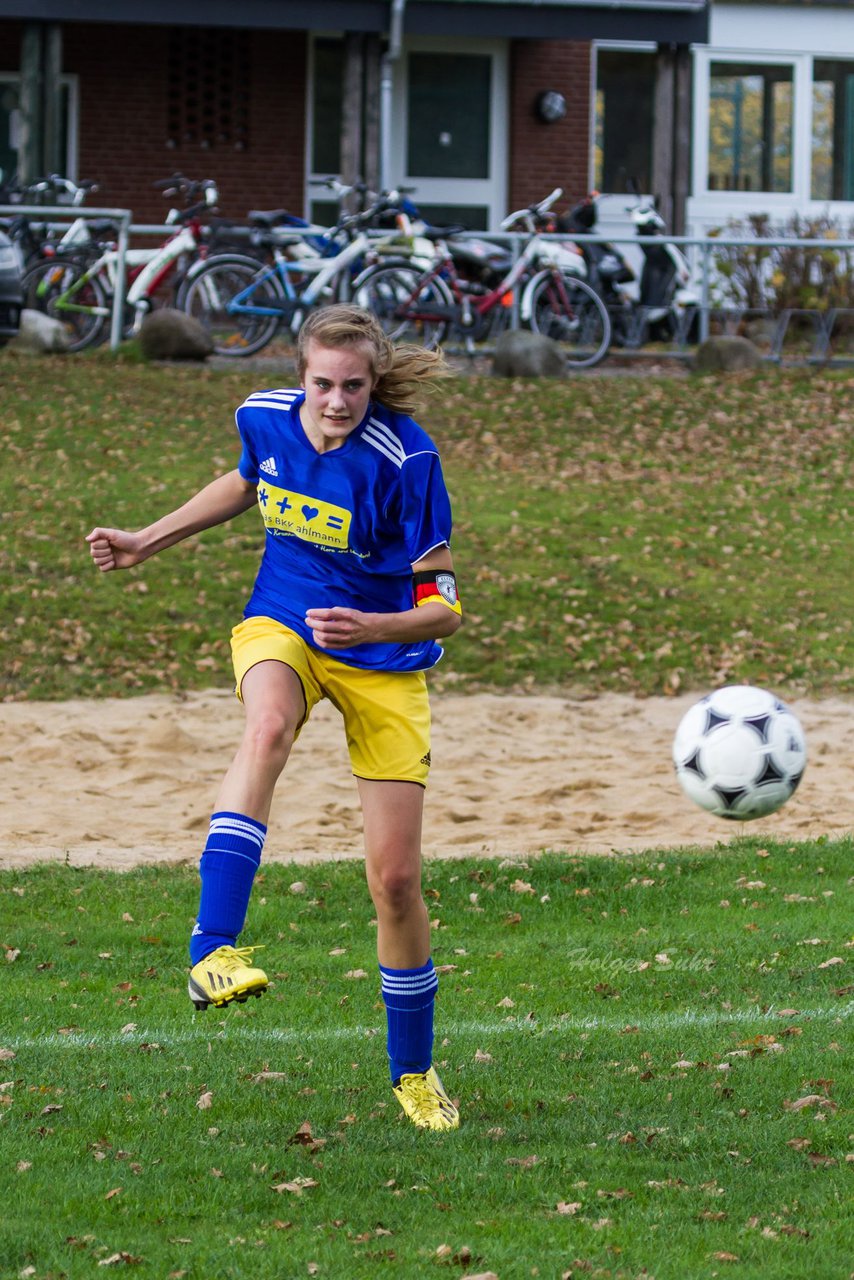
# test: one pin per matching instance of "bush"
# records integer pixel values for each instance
(782, 277)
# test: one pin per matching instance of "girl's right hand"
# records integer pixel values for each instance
(114, 549)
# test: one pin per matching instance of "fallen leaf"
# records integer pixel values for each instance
(304, 1138)
(524, 1162)
(205, 1100)
(809, 1100)
(521, 886)
(115, 1192)
(482, 1057)
(569, 1209)
(356, 973)
(506, 1003)
(297, 1186)
(799, 1144)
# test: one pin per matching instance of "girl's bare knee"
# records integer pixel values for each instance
(269, 736)
(395, 889)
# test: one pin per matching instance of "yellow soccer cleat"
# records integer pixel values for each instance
(424, 1100)
(225, 976)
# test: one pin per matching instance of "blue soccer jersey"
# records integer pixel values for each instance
(343, 527)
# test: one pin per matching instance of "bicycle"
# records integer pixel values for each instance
(36, 240)
(78, 290)
(244, 307)
(555, 301)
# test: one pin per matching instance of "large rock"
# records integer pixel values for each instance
(39, 334)
(519, 353)
(168, 334)
(727, 355)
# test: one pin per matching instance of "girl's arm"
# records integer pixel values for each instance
(339, 628)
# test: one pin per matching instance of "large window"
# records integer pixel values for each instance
(833, 130)
(750, 127)
(625, 88)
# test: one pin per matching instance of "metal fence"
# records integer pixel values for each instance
(822, 333)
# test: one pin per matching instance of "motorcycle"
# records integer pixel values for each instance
(661, 305)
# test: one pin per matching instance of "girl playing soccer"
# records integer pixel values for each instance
(355, 587)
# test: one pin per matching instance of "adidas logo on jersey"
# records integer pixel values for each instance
(269, 465)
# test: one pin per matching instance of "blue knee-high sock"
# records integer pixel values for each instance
(409, 995)
(227, 868)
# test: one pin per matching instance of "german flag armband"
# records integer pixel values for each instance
(436, 585)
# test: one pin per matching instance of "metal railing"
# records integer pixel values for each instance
(57, 217)
(699, 250)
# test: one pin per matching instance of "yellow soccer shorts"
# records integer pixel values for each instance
(386, 713)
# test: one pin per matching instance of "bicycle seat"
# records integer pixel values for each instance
(442, 233)
(103, 227)
(275, 218)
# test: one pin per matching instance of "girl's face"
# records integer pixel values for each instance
(338, 384)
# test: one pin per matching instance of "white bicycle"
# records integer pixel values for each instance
(244, 304)
(78, 291)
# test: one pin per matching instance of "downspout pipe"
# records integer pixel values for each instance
(390, 57)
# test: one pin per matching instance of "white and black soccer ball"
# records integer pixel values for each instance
(739, 752)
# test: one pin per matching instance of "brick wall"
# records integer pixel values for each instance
(123, 133)
(545, 156)
(123, 128)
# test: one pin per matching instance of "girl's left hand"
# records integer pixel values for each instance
(339, 628)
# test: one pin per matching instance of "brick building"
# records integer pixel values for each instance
(481, 105)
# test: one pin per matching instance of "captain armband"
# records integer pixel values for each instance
(436, 585)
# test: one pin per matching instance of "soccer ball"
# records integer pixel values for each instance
(739, 752)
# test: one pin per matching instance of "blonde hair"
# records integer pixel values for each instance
(402, 374)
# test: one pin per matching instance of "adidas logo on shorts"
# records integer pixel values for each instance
(269, 465)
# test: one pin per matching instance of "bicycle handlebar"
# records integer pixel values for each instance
(529, 216)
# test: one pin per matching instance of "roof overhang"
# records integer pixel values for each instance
(664, 21)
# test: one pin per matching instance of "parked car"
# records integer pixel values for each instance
(11, 293)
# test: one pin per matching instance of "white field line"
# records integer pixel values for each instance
(202, 1028)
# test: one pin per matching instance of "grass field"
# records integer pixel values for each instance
(635, 533)
(651, 1052)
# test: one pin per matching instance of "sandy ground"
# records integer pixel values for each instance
(121, 782)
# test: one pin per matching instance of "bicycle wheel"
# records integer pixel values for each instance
(409, 307)
(81, 306)
(573, 314)
(240, 304)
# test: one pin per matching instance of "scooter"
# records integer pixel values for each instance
(659, 306)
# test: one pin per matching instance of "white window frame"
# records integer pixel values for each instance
(801, 126)
(72, 83)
